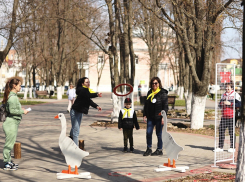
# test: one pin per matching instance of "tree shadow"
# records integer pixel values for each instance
(1, 164)
(120, 149)
(201, 147)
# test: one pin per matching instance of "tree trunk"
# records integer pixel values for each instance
(188, 99)
(197, 111)
(12, 31)
(131, 48)
(240, 170)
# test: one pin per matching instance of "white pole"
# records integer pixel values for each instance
(216, 100)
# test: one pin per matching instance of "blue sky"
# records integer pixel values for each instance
(231, 38)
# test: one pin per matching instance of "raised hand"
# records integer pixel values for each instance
(99, 94)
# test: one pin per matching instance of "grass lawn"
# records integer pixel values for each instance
(22, 102)
(180, 102)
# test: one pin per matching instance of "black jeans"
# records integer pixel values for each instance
(224, 123)
(128, 134)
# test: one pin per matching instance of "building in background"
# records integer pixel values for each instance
(12, 66)
(98, 60)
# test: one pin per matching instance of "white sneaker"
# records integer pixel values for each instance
(231, 150)
(218, 150)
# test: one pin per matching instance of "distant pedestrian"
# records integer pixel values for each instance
(212, 90)
(14, 116)
(139, 90)
(172, 87)
(126, 121)
(81, 106)
(71, 92)
(157, 100)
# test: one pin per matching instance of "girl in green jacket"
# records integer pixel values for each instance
(14, 116)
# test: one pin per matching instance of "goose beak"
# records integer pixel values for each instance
(56, 117)
(160, 114)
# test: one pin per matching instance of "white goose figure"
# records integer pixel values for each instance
(171, 147)
(73, 154)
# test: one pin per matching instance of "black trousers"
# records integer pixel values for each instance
(225, 123)
(128, 134)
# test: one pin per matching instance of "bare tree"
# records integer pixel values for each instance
(11, 32)
(156, 35)
(202, 16)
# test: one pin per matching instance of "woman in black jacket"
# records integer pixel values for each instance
(81, 106)
(157, 100)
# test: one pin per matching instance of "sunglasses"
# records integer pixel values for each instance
(155, 83)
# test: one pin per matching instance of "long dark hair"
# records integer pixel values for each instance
(158, 80)
(80, 81)
(9, 86)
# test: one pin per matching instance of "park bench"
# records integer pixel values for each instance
(39, 93)
(171, 100)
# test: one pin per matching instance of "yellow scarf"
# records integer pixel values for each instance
(126, 110)
(89, 89)
(153, 94)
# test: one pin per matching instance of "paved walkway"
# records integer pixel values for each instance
(42, 158)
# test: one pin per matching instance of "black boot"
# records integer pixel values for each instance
(131, 149)
(157, 152)
(125, 149)
(147, 152)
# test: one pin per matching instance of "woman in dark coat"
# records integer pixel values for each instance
(157, 100)
(81, 106)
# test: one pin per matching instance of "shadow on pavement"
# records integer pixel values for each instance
(120, 149)
(200, 147)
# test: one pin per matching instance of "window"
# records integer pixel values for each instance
(100, 61)
(163, 66)
(136, 59)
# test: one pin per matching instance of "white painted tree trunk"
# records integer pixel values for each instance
(48, 89)
(181, 93)
(52, 88)
(30, 92)
(116, 102)
(186, 95)
(63, 89)
(178, 91)
(26, 91)
(59, 93)
(188, 98)
(197, 111)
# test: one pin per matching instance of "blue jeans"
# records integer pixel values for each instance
(150, 125)
(76, 118)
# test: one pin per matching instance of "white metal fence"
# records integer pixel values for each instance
(224, 114)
